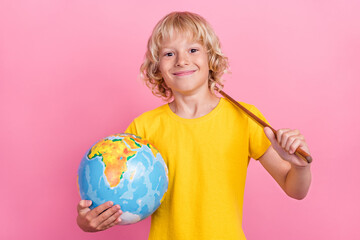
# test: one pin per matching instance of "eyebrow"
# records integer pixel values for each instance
(190, 45)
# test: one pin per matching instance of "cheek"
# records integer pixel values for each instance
(163, 72)
(205, 63)
(163, 66)
(161, 69)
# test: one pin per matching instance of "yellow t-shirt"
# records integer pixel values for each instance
(207, 158)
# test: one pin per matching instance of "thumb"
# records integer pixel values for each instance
(84, 205)
(270, 135)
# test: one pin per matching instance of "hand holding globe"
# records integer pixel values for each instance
(100, 218)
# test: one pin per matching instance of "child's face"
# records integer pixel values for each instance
(184, 65)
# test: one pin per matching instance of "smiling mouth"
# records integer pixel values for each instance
(184, 73)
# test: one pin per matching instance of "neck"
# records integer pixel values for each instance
(194, 106)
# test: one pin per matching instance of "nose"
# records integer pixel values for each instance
(182, 59)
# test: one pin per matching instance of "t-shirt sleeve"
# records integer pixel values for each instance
(132, 128)
(258, 142)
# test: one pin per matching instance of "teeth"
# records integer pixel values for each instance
(184, 72)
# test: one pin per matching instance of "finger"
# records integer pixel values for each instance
(99, 209)
(112, 219)
(294, 146)
(117, 221)
(101, 222)
(107, 213)
(83, 205)
(290, 141)
(284, 135)
(279, 134)
(270, 135)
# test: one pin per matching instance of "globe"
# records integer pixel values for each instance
(127, 170)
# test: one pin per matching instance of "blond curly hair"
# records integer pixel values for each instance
(200, 30)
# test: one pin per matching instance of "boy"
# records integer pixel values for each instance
(205, 141)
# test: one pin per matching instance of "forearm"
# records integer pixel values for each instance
(297, 182)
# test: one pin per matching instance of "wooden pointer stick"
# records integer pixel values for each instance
(299, 152)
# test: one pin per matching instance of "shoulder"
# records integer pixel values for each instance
(229, 104)
(149, 118)
(249, 106)
(244, 116)
(232, 108)
(147, 123)
(152, 114)
(252, 108)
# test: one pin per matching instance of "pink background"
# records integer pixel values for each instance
(69, 76)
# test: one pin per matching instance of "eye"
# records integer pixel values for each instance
(193, 50)
(168, 54)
